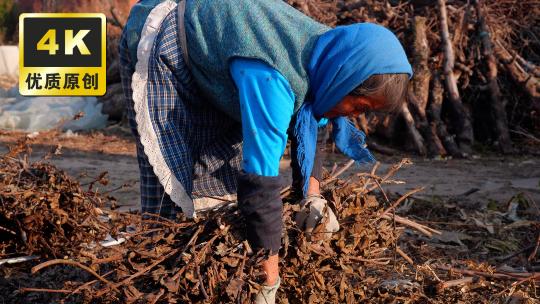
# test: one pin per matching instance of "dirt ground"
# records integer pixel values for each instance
(490, 178)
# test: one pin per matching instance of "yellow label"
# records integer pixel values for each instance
(62, 54)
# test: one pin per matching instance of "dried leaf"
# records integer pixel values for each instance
(234, 287)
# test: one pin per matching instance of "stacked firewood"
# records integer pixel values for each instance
(476, 63)
(476, 69)
(42, 211)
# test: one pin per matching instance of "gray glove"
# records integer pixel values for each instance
(267, 294)
(313, 210)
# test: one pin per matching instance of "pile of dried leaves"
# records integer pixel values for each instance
(208, 259)
(377, 256)
(43, 211)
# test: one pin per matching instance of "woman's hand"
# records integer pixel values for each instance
(314, 209)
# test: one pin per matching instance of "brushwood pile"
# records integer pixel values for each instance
(390, 248)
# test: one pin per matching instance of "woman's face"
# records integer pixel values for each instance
(356, 105)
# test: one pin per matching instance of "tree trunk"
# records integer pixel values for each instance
(433, 146)
(434, 114)
(419, 94)
(497, 105)
(417, 139)
(422, 74)
(461, 118)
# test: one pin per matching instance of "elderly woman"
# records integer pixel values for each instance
(215, 88)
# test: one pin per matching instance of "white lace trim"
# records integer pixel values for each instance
(146, 131)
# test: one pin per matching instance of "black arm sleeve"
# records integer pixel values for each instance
(260, 203)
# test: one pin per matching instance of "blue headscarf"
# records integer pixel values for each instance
(343, 58)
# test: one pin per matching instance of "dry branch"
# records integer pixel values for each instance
(528, 82)
(435, 109)
(453, 283)
(73, 263)
(420, 62)
(497, 105)
(417, 139)
(494, 275)
(462, 118)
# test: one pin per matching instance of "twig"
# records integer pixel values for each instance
(396, 203)
(406, 222)
(73, 263)
(160, 218)
(527, 135)
(201, 285)
(285, 191)
(509, 256)
(100, 177)
(126, 185)
(532, 278)
(375, 167)
(393, 213)
(381, 261)
(240, 271)
(338, 173)
(528, 82)
(374, 146)
(196, 258)
(214, 197)
(28, 289)
(512, 276)
(389, 174)
(190, 242)
(85, 285)
(415, 135)
(395, 239)
(138, 274)
(247, 247)
(535, 250)
(382, 191)
(447, 284)
(404, 255)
